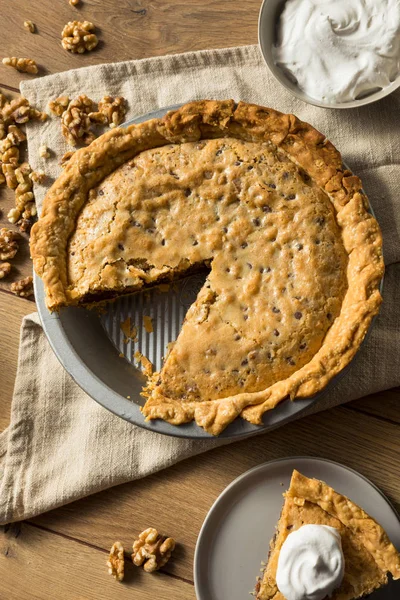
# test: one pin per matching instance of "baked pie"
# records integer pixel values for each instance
(367, 553)
(263, 203)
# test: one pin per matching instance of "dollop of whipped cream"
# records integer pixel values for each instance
(311, 563)
(339, 50)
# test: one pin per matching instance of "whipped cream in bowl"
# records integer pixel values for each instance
(311, 563)
(335, 54)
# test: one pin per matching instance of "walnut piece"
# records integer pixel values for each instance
(114, 109)
(11, 156)
(8, 244)
(5, 144)
(9, 174)
(25, 225)
(30, 26)
(59, 105)
(75, 121)
(98, 117)
(15, 135)
(78, 37)
(22, 172)
(116, 561)
(151, 550)
(13, 215)
(8, 251)
(30, 210)
(23, 287)
(38, 176)
(24, 65)
(3, 130)
(5, 269)
(44, 151)
(20, 111)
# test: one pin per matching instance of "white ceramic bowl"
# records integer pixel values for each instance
(267, 22)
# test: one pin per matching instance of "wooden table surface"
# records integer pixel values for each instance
(62, 554)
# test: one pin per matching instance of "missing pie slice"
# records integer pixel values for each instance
(368, 553)
(260, 200)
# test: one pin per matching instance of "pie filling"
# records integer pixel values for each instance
(278, 265)
(174, 275)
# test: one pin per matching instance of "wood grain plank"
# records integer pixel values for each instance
(38, 565)
(385, 405)
(127, 30)
(177, 500)
(12, 310)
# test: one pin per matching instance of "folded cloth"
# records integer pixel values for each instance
(61, 445)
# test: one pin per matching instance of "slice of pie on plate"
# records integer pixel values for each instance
(263, 202)
(368, 553)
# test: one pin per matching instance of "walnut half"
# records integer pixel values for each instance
(25, 65)
(152, 550)
(8, 244)
(78, 37)
(23, 287)
(75, 122)
(116, 561)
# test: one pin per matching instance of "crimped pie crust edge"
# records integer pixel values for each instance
(314, 491)
(374, 537)
(306, 147)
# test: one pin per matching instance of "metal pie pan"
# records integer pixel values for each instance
(235, 535)
(93, 350)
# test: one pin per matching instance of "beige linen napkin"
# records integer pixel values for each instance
(61, 445)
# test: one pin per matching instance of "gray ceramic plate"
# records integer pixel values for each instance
(267, 24)
(91, 348)
(235, 536)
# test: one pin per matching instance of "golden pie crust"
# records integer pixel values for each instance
(263, 201)
(369, 554)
